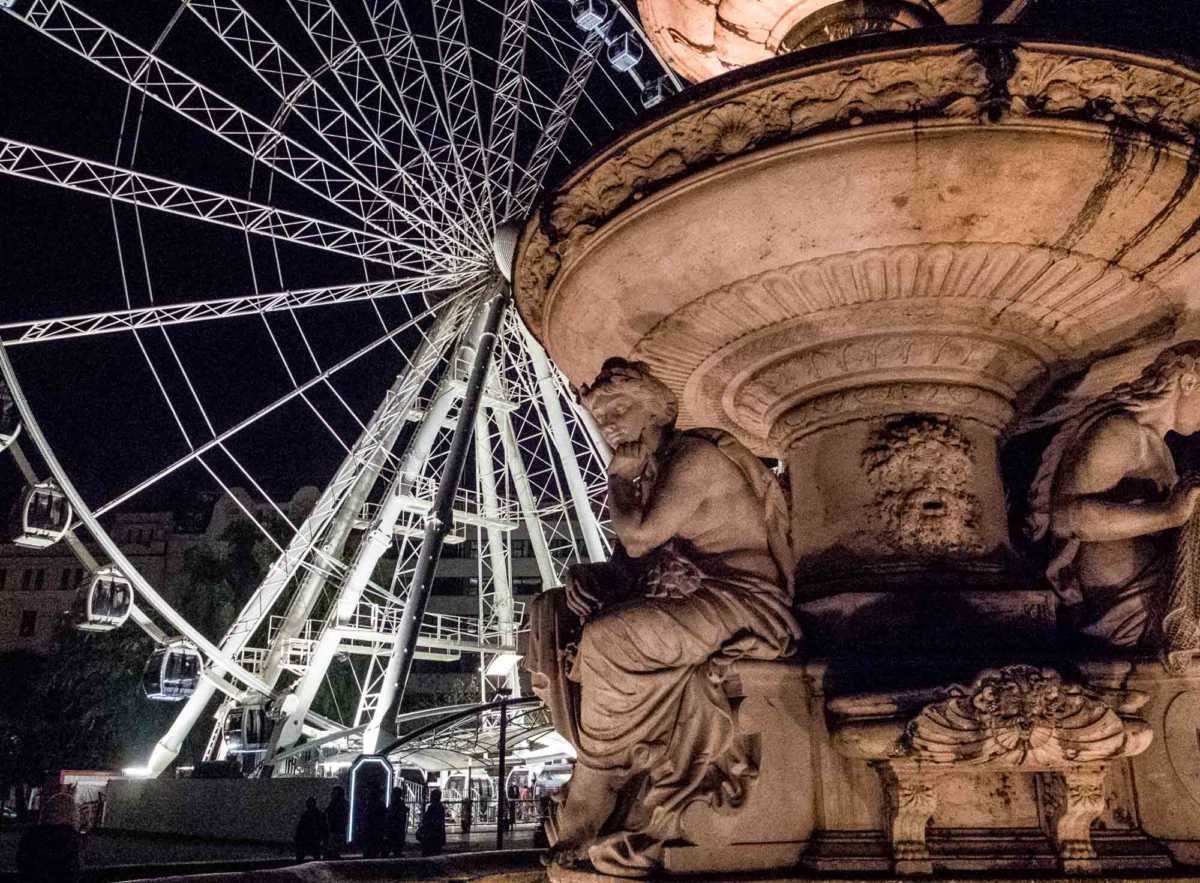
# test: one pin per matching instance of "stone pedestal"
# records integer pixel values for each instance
(1095, 775)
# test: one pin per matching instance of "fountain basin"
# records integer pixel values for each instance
(821, 252)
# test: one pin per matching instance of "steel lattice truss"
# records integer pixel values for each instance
(331, 177)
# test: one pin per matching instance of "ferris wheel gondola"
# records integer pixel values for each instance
(173, 671)
(104, 604)
(248, 729)
(45, 516)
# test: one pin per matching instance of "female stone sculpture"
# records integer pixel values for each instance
(629, 655)
(1108, 495)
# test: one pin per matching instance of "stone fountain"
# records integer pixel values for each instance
(876, 261)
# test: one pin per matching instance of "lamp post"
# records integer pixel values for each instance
(502, 809)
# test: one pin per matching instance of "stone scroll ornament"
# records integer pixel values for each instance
(1108, 500)
(631, 655)
(1019, 716)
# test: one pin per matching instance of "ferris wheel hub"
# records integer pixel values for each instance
(504, 247)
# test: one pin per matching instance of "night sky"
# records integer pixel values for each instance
(98, 398)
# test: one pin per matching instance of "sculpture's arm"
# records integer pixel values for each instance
(677, 495)
(1081, 507)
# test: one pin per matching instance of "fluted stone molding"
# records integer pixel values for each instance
(1072, 274)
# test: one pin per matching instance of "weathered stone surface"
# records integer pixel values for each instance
(1022, 726)
(889, 259)
(867, 265)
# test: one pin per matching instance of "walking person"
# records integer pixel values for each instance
(465, 817)
(432, 831)
(397, 824)
(373, 826)
(337, 817)
(312, 832)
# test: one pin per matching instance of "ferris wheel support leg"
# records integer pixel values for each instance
(560, 435)
(381, 730)
(533, 524)
(375, 543)
(288, 730)
(385, 428)
(169, 745)
(501, 594)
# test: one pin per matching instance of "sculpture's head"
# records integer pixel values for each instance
(629, 403)
(1172, 381)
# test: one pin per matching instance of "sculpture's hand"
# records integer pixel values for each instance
(628, 460)
(580, 601)
(1184, 497)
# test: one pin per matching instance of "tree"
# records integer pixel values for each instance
(219, 576)
(82, 708)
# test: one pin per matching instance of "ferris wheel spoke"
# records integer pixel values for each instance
(141, 69)
(414, 84)
(431, 307)
(560, 115)
(90, 324)
(302, 92)
(506, 99)
(457, 77)
(148, 191)
(358, 77)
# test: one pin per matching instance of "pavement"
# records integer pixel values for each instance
(125, 849)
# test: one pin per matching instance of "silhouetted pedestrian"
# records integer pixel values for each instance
(312, 832)
(337, 817)
(466, 817)
(372, 824)
(397, 823)
(52, 850)
(432, 831)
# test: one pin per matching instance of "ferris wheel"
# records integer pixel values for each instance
(269, 243)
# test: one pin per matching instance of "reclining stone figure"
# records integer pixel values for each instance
(629, 657)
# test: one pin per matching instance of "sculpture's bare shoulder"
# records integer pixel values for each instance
(1102, 455)
(699, 461)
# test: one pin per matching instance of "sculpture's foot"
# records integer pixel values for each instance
(565, 855)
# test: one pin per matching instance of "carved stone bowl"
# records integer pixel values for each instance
(927, 222)
(706, 38)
